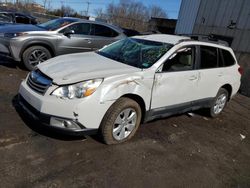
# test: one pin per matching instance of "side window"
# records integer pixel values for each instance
(181, 60)
(33, 21)
(79, 28)
(22, 19)
(228, 58)
(101, 30)
(208, 57)
(4, 17)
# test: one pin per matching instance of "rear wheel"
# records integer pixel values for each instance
(121, 121)
(219, 102)
(35, 55)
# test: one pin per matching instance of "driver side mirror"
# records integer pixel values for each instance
(67, 33)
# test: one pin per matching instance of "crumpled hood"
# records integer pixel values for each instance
(72, 68)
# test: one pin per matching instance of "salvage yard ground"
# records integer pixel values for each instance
(180, 151)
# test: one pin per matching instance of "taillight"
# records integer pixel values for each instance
(240, 69)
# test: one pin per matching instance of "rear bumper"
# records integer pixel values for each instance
(45, 120)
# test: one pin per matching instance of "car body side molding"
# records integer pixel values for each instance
(167, 111)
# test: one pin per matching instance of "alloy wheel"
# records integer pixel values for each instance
(124, 124)
(37, 57)
(220, 103)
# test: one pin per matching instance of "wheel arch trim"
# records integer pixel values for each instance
(229, 89)
(140, 101)
(45, 44)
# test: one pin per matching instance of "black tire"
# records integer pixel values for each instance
(108, 123)
(27, 56)
(212, 111)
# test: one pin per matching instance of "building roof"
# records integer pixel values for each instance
(171, 39)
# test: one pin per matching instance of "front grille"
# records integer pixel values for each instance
(38, 81)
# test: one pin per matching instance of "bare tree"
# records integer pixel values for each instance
(100, 13)
(64, 11)
(48, 7)
(157, 12)
(130, 14)
(44, 3)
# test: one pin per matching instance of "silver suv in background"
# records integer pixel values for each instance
(56, 37)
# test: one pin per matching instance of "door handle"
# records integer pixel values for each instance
(193, 77)
(220, 74)
(88, 41)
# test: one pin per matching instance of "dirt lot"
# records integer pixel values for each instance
(180, 151)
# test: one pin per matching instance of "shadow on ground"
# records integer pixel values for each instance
(10, 63)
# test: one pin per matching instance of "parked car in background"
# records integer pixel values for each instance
(130, 32)
(16, 18)
(56, 37)
(134, 80)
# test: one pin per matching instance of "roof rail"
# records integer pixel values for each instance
(217, 39)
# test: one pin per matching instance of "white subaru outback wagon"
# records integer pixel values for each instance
(113, 90)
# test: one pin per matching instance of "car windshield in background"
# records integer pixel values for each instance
(135, 52)
(53, 25)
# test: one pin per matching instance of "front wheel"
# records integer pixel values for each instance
(121, 121)
(219, 102)
(35, 55)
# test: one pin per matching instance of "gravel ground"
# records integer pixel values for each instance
(180, 151)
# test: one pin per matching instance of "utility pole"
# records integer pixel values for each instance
(17, 4)
(62, 7)
(87, 12)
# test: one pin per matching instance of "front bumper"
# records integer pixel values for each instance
(50, 121)
(4, 46)
(10, 48)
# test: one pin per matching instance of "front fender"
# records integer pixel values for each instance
(115, 87)
(20, 44)
(29, 43)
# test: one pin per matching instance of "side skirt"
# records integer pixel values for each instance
(167, 111)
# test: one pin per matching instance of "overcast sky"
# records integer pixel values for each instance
(171, 6)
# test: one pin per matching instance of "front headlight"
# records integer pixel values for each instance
(12, 35)
(79, 90)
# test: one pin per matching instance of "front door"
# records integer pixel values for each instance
(176, 84)
(80, 41)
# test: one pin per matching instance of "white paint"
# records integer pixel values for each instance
(120, 79)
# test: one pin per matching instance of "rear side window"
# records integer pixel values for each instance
(22, 19)
(208, 57)
(228, 58)
(101, 30)
(5, 17)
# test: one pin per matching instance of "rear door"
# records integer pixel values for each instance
(102, 35)
(80, 41)
(175, 86)
(210, 72)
